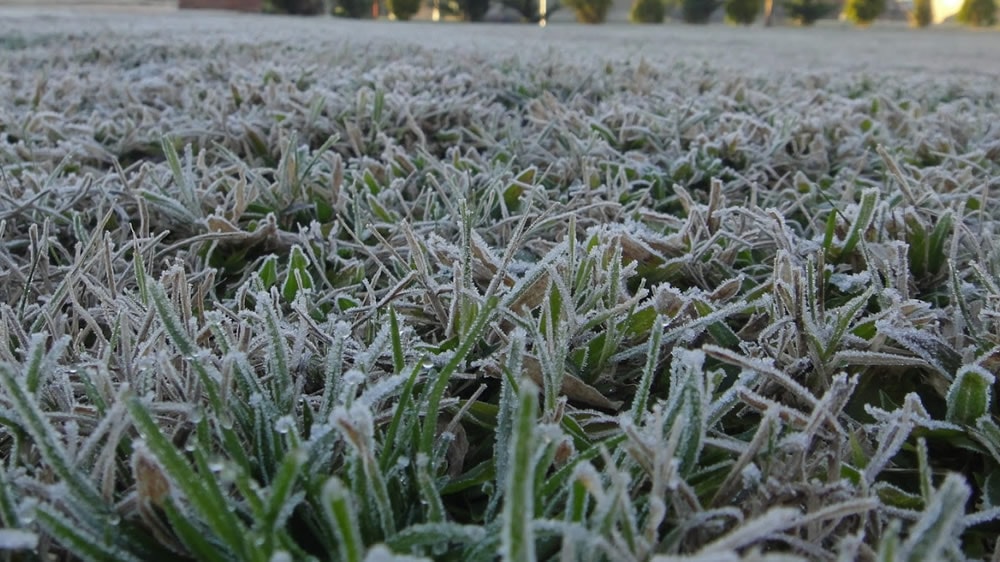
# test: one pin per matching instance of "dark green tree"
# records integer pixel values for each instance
(806, 12)
(922, 14)
(357, 9)
(529, 8)
(863, 12)
(590, 11)
(296, 7)
(647, 11)
(698, 11)
(742, 11)
(474, 10)
(980, 13)
(403, 9)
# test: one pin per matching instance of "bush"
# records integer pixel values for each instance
(529, 8)
(475, 10)
(742, 11)
(922, 14)
(647, 11)
(590, 11)
(403, 9)
(698, 11)
(980, 13)
(357, 9)
(806, 12)
(863, 12)
(297, 7)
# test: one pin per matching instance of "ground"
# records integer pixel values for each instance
(282, 288)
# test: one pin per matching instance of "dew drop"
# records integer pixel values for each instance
(284, 424)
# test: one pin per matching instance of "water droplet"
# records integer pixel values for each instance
(190, 446)
(284, 424)
(216, 466)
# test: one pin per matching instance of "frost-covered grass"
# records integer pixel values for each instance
(326, 293)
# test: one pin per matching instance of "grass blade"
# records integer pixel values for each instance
(517, 538)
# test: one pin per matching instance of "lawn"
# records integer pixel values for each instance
(288, 289)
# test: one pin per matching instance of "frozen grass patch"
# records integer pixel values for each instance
(353, 299)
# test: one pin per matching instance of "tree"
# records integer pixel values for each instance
(529, 8)
(864, 12)
(647, 11)
(698, 11)
(475, 10)
(357, 9)
(297, 7)
(980, 13)
(806, 12)
(922, 14)
(590, 11)
(742, 11)
(403, 9)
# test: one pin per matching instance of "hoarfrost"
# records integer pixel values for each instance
(851, 282)
(17, 539)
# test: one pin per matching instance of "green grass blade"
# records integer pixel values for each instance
(193, 537)
(281, 490)
(866, 212)
(428, 491)
(45, 438)
(189, 349)
(517, 538)
(76, 539)
(937, 531)
(200, 490)
(436, 392)
(338, 506)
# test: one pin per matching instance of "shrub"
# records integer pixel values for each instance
(980, 13)
(922, 14)
(529, 8)
(590, 11)
(403, 9)
(647, 11)
(863, 12)
(742, 11)
(698, 11)
(475, 10)
(297, 7)
(357, 9)
(806, 12)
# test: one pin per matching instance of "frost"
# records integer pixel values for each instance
(17, 539)
(354, 377)
(851, 282)
(284, 424)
